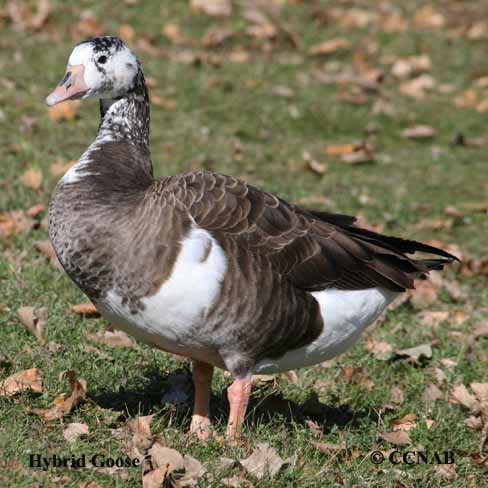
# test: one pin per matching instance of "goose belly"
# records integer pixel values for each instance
(171, 318)
(345, 314)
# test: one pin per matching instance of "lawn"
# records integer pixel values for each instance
(366, 108)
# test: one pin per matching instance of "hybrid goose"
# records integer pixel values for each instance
(203, 265)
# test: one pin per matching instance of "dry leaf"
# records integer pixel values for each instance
(404, 68)
(64, 111)
(431, 394)
(329, 447)
(35, 210)
(165, 457)
(417, 87)
(174, 34)
(87, 309)
(29, 379)
(399, 437)
(89, 484)
(264, 461)
(428, 17)
(75, 430)
(32, 178)
(24, 18)
(382, 350)
(406, 423)
(237, 482)
(46, 249)
(340, 149)
(194, 470)
(446, 470)
(481, 391)
(88, 25)
(215, 8)
(113, 338)
(416, 353)
(141, 439)
(127, 33)
(419, 132)
(460, 395)
(357, 375)
(431, 318)
(329, 47)
(61, 405)
(396, 395)
(424, 294)
(59, 168)
(33, 319)
(474, 423)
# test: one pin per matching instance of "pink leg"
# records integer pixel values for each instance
(238, 395)
(202, 379)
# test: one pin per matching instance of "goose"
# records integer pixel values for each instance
(203, 265)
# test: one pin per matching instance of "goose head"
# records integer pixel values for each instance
(103, 68)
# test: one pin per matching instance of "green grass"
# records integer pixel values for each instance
(220, 107)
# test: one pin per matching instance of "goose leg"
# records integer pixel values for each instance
(202, 379)
(238, 395)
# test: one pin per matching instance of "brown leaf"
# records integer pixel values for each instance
(431, 394)
(416, 353)
(328, 447)
(419, 132)
(165, 457)
(174, 34)
(264, 461)
(46, 249)
(237, 482)
(446, 470)
(127, 33)
(404, 68)
(340, 149)
(88, 25)
(35, 210)
(474, 423)
(59, 168)
(396, 395)
(427, 16)
(399, 437)
(87, 309)
(90, 484)
(460, 395)
(193, 472)
(481, 391)
(417, 87)
(33, 319)
(75, 430)
(214, 8)
(357, 375)
(61, 405)
(64, 111)
(24, 18)
(434, 317)
(154, 479)
(406, 423)
(113, 338)
(382, 350)
(331, 46)
(32, 178)
(163, 102)
(29, 379)
(424, 294)
(141, 439)
(216, 36)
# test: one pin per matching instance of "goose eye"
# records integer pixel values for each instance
(102, 60)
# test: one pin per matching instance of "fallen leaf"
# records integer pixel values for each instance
(424, 294)
(29, 379)
(474, 422)
(382, 350)
(33, 319)
(406, 423)
(46, 249)
(174, 34)
(264, 461)
(358, 157)
(113, 338)
(331, 46)
(424, 351)
(417, 87)
(237, 482)
(404, 68)
(194, 470)
(427, 16)
(165, 457)
(126, 33)
(87, 309)
(481, 391)
(214, 8)
(399, 437)
(445, 470)
(59, 168)
(431, 394)
(397, 396)
(433, 317)
(460, 395)
(32, 178)
(61, 405)
(357, 375)
(141, 439)
(64, 111)
(329, 447)
(75, 430)
(89, 484)
(88, 25)
(314, 165)
(35, 210)
(24, 18)
(340, 149)
(419, 132)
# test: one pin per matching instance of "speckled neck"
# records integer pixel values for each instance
(127, 119)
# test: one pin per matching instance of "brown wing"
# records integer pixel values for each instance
(315, 250)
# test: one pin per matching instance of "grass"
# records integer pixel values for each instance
(228, 118)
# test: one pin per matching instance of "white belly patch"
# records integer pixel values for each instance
(345, 313)
(170, 315)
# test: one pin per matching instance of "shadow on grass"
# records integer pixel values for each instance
(172, 394)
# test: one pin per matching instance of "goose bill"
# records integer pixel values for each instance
(72, 86)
